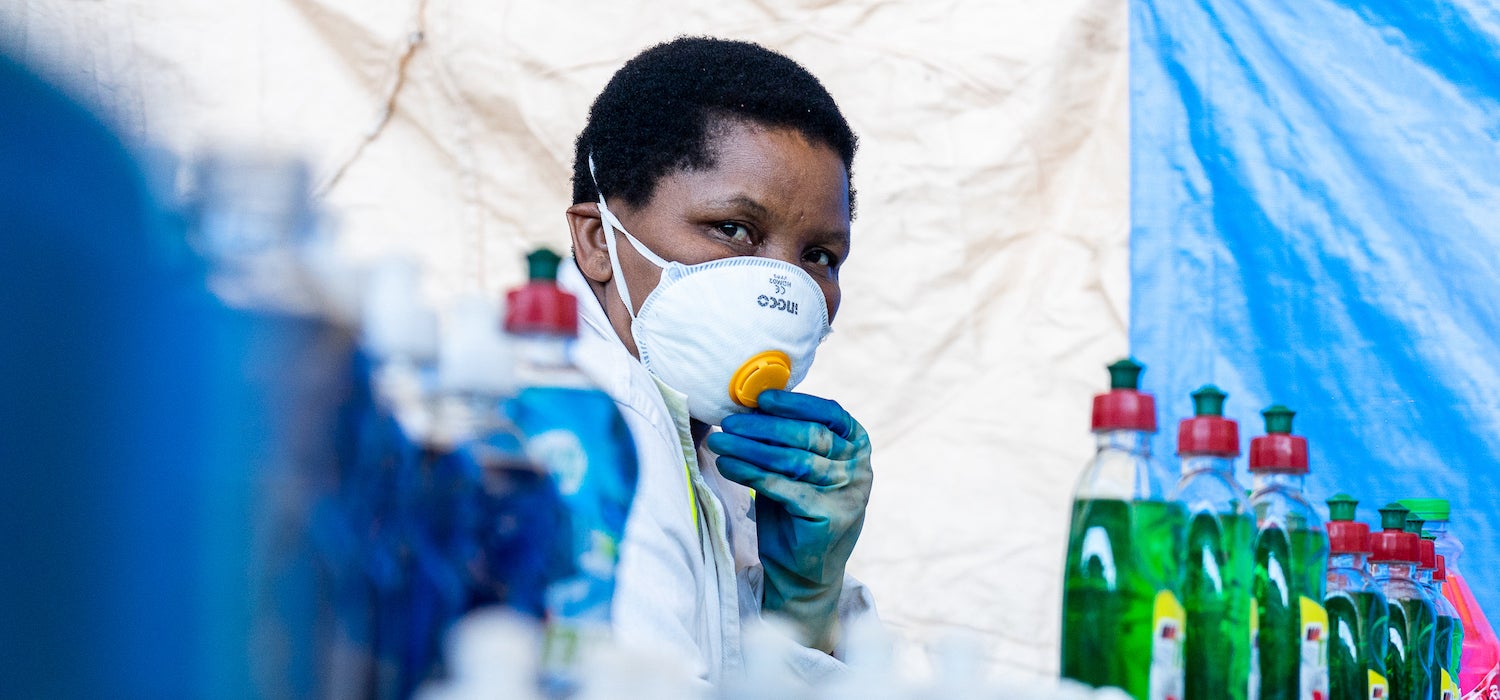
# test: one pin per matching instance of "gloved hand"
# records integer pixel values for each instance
(809, 463)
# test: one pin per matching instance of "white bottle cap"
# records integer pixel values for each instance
(397, 321)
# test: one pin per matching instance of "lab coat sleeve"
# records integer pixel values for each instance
(656, 606)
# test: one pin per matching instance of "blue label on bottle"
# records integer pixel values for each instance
(580, 438)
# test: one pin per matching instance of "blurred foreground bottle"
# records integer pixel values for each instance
(1219, 569)
(1443, 684)
(1122, 616)
(1291, 562)
(1358, 616)
(573, 429)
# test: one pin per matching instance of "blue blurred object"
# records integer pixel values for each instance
(104, 409)
(1314, 196)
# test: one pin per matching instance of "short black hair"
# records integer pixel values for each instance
(662, 109)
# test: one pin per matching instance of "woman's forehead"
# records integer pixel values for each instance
(769, 172)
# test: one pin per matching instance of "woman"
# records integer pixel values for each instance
(711, 214)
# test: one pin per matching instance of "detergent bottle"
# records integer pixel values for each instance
(572, 429)
(1291, 562)
(1394, 561)
(1451, 655)
(1219, 570)
(1358, 618)
(1123, 620)
(1479, 665)
(1443, 684)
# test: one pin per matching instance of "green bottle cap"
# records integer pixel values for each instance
(1126, 374)
(1429, 508)
(1278, 420)
(1393, 517)
(1414, 524)
(541, 264)
(1342, 508)
(1208, 400)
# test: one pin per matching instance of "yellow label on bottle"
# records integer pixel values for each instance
(1379, 690)
(1450, 688)
(1167, 661)
(1253, 692)
(1314, 667)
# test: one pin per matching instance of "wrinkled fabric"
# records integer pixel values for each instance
(987, 284)
(1314, 199)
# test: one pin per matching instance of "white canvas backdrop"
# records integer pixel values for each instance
(989, 278)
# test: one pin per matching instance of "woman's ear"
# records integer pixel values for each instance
(589, 246)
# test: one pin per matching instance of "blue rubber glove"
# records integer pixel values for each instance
(809, 463)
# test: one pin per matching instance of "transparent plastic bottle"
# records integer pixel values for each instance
(1453, 654)
(1123, 620)
(1443, 684)
(1479, 665)
(575, 431)
(1291, 563)
(1358, 616)
(1393, 563)
(1219, 569)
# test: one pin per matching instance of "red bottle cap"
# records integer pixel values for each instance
(1279, 450)
(1440, 574)
(1427, 553)
(1208, 432)
(1393, 545)
(540, 306)
(1344, 535)
(1125, 407)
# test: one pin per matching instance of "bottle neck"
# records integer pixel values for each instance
(1392, 569)
(1132, 441)
(1348, 561)
(1194, 463)
(1424, 577)
(1285, 480)
(542, 350)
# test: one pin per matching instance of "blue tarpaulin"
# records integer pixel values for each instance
(1315, 192)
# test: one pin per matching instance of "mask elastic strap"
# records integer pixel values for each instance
(612, 224)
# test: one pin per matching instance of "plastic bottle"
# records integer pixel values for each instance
(574, 430)
(1413, 619)
(1358, 616)
(1219, 570)
(1451, 655)
(1447, 618)
(1291, 563)
(1479, 667)
(1122, 614)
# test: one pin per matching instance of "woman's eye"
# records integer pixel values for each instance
(819, 257)
(738, 233)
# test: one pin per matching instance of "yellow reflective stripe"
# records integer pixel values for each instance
(692, 492)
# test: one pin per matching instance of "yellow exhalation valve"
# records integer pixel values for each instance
(771, 369)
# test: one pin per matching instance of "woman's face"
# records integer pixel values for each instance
(771, 194)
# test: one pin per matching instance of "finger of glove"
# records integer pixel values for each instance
(790, 404)
(790, 432)
(801, 499)
(790, 462)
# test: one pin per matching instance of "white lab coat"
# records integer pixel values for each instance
(689, 577)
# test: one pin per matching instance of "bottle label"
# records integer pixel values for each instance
(1253, 692)
(1314, 667)
(1450, 689)
(1378, 688)
(1167, 662)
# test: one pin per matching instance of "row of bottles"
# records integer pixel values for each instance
(461, 462)
(1201, 591)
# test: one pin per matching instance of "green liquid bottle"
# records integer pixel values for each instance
(1123, 622)
(1453, 654)
(1291, 561)
(1358, 616)
(1413, 620)
(1218, 571)
(1447, 617)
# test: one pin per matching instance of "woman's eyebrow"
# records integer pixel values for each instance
(741, 202)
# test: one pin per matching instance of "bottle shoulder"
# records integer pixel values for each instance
(1210, 491)
(1350, 580)
(1121, 474)
(1285, 507)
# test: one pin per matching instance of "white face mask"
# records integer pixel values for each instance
(721, 331)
